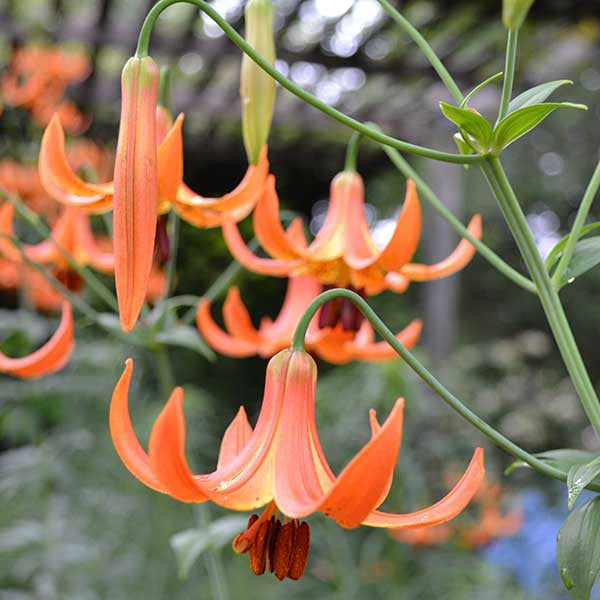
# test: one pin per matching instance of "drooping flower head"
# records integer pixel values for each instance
(280, 463)
(343, 252)
(341, 343)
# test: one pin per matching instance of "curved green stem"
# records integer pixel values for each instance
(352, 151)
(498, 263)
(238, 40)
(509, 72)
(424, 46)
(551, 304)
(40, 227)
(582, 213)
(447, 396)
(173, 233)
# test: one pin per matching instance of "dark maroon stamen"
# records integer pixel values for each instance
(162, 245)
(341, 310)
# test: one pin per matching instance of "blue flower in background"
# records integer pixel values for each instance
(530, 555)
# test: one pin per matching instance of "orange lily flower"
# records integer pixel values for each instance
(343, 252)
(65, 186)
(334, 344)
(51, 357)
(280, 463)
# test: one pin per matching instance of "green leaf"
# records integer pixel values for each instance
(479, 87)
(523, 120)
(471, 124)
(185, 336)
(463, 147)
(578, 549)
(536, 94)
(188, 545)
(585, 257)
(562, 459)
(556, 252)
(579, 476)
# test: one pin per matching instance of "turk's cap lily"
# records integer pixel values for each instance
(333, 344)
(343, 253)
(51, 357)
(280, 462)
(64, 185)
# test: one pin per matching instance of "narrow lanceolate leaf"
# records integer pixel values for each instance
(471, 124)
(579, 477)
(462, 146)
(519, 122)
(536, 94)
(562, 459)
(557, 251)
(135, 187)
(578, 549)
(188, 545)
(585, 257)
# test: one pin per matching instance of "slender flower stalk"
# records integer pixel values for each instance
(135, 187)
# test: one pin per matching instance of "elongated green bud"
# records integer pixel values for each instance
(257, 89)
(514, 12)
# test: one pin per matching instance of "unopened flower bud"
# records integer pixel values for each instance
(257, 88)
(514, 12)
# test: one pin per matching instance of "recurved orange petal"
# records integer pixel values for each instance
(235, 438)
(460, 257)
(166, 450)
(440, 512)
(267, 226)
(61, 182)
(51, 357)
(170, 165)
(405, 239)
(218, 339)
(241, 252)
(126, 443)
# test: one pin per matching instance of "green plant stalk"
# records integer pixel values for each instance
(173, 232)
(352, 151)
(447, 396)
(238, 40)
(424, 46)
(582, 213)
(164, 374)
(40, 227)
(404, 167)
(212, 560)
(509, 72)
(549, 298)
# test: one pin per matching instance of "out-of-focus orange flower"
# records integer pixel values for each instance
(343, 252)
(72, 232)
(65, 186)
(51, 357)
(334, 344)
(37, 78)
(280, 463)
(490, 523)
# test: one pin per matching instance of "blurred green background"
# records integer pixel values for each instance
(75, 525)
